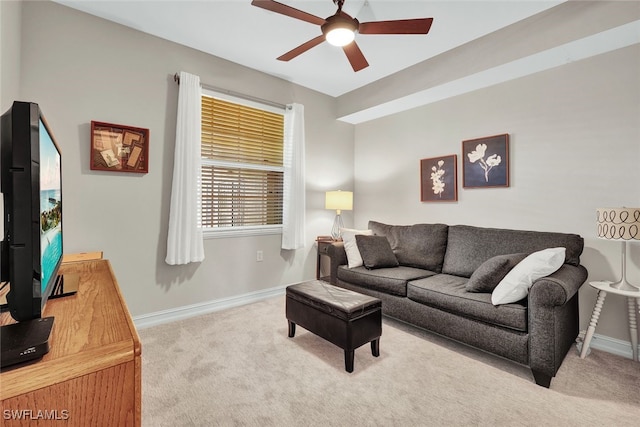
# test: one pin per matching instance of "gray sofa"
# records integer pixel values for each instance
(428, 289)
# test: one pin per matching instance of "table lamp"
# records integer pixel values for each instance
(340, 201)
(620, 224)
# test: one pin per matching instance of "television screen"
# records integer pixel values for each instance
(50, 209)
(30, 178)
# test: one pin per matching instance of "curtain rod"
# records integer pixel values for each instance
(176, 78)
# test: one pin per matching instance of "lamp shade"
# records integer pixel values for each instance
(618, 223)
(339, 200)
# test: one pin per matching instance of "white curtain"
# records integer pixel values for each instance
(184, 241)
(293, 210)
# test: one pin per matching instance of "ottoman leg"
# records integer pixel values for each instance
(348, 360)
(292, 328)
(375, 347)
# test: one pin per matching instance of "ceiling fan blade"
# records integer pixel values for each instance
(301, 49)
(355, 56)
(401, 26)
(283, 9)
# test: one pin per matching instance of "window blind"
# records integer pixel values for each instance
(242, 165)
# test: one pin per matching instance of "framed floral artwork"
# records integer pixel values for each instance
(485, 162)
(438, 179)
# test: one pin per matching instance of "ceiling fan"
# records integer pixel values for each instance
(340, 30)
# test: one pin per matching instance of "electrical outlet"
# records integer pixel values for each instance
(259, 256)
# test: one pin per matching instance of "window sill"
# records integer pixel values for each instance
(241, 232)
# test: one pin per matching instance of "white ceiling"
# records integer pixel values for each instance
(239, 32)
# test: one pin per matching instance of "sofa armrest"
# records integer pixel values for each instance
(554, 320)
(337, 256)
(559, 287)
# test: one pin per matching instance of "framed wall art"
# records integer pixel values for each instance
(438, 179)
(119, 148)
(485, 162)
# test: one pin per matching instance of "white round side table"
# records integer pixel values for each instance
(633, 299)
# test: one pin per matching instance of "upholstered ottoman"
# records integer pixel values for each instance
(343, 317)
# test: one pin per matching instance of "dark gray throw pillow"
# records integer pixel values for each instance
(492, 271)
(376, 251)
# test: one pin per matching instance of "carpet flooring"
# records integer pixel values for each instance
(237, 367)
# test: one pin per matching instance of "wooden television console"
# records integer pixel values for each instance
(92, 373)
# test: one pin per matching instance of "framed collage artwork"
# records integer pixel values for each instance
(119, 148)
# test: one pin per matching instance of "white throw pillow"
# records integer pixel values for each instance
(354, 259)
(517, 282)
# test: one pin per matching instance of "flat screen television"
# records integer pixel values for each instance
(31, 184)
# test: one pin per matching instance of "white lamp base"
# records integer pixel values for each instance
(337, 225)
(623, 284)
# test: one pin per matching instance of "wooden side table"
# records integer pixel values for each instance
(323, 249)
(633, 298)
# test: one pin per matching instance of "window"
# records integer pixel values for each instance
(242, 166)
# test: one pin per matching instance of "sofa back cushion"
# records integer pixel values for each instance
(468, 247)
(419, 245)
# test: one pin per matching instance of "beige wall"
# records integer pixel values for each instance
(575, 146)
(80, 68)
(10, 25)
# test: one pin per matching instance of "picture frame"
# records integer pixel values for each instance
(119, 148)
(439, 179)
(485, 162)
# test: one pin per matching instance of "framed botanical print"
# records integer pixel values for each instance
(438, 179)
(485, 162)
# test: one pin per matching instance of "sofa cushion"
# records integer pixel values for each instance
(376, 252)
(449, 293)
(517, 282)
(354, 259)
(388, 280)
(492, 271)
(468, 247)
(420, 245)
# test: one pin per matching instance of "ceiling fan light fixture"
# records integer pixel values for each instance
(340, 36)
(339, 30)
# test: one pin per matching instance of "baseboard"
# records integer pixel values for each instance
(179, 313)
(611, 345)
